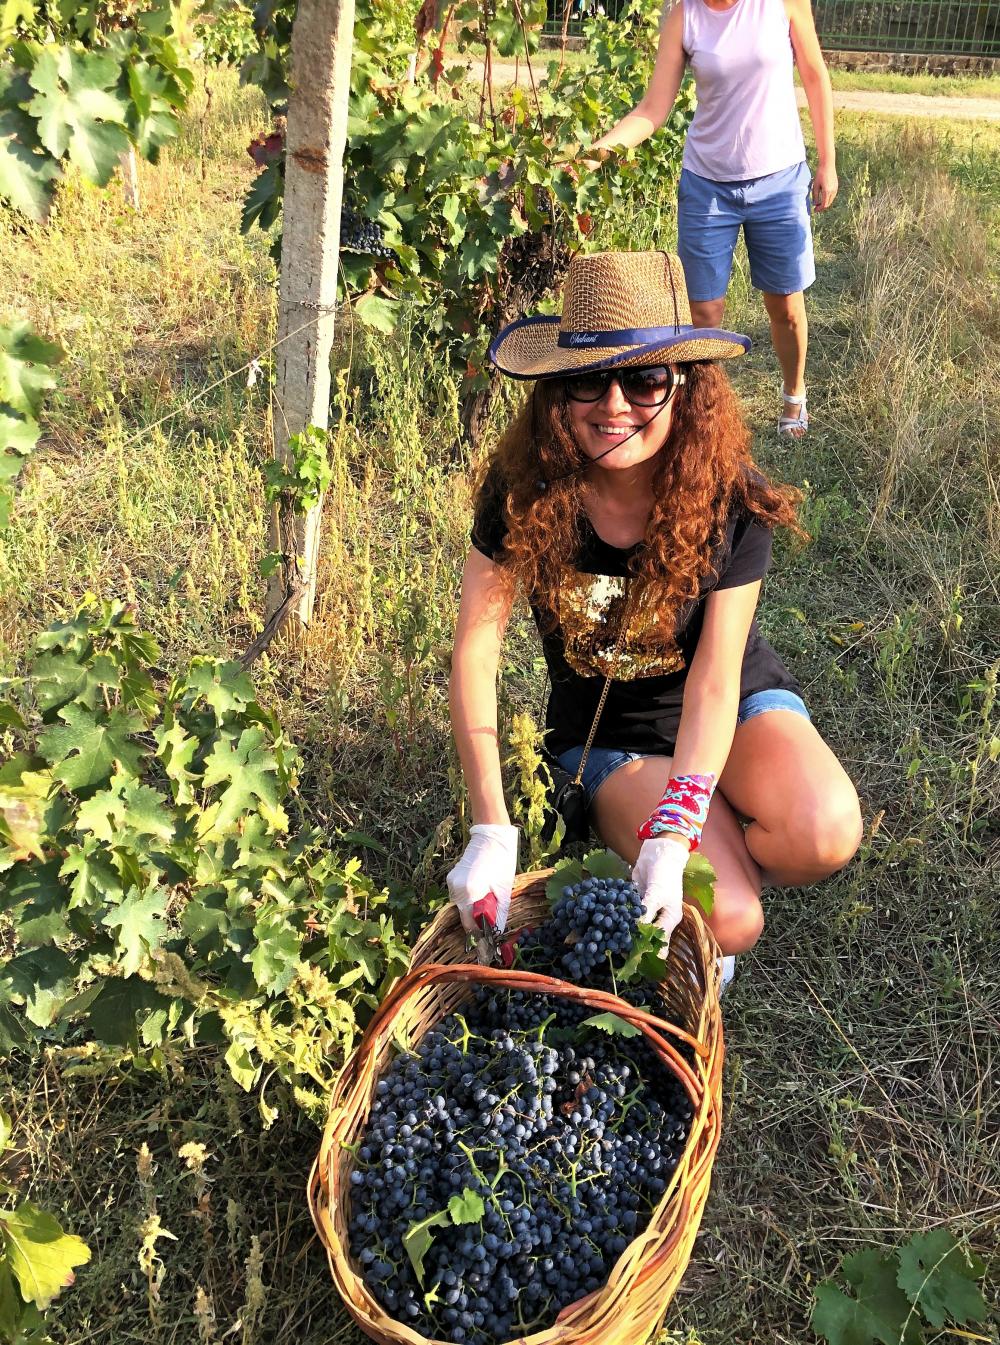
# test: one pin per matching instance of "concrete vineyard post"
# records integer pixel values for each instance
(316, 132)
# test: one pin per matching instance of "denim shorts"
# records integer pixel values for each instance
(774, 212)
(604, 761)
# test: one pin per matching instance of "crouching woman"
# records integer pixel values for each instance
(623, 503)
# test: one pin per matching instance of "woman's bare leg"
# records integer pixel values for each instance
(805, 820)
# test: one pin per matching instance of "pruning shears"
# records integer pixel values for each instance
(486, 939)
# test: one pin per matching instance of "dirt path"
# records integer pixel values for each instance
(854, 100)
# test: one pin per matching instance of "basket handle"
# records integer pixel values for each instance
(433, 973)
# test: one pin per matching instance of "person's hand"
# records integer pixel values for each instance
(488, 865)
(578, 162)
(825, 186)
(658, 874)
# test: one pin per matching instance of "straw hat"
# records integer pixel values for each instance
(620, 309)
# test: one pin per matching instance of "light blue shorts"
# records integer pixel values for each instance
(774, 212)
(604, 761)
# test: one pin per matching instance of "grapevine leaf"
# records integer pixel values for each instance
(22, 824)
(263, 201)
(418, 1238)
(85, 751)
(13, 1034)
(43, 978)
(139, 921)
(41, 1256)
(223, 686)
(276, 955)
(249, 773)
(113, 1014)
(27, 179)
(25, 367)
(879, 1312)
(468, 1208)
(205, 917)
(176, 750)
(939, 1279)
(699, 882)
(605, 864)
(565, 875)
(61, 677)
(126, 808)
(152, 120)
(613, 1024)
(18, 436)
(11, 1317)
(382, 314)
(95, 878)
(645, 962)
(43, 919)
(77, 113)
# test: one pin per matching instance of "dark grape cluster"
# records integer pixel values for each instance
(562, 1137)
(592, 931)
(358, 234)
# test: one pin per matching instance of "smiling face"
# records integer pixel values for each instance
(616, 433)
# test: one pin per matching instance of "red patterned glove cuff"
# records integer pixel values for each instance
(683, 809)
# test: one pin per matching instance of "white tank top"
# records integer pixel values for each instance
(746, 123)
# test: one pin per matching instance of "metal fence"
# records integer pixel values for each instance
(918, 27)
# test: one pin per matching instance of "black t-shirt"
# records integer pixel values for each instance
(643, 709)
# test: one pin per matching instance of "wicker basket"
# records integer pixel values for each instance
(631, 1306)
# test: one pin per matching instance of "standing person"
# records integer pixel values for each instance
(623, 503)
(745, 161)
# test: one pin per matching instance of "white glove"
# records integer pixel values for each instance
(658, 874)
(488, 865)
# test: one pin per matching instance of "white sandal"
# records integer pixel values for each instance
(789, 424)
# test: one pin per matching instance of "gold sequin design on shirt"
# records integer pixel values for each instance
(590, 608)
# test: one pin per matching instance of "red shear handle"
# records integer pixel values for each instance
(485, 910)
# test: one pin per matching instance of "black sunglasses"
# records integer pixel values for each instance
(650, 386)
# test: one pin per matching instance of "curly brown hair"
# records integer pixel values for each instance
(703, 472)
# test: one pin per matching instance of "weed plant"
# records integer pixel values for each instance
(861, 1099)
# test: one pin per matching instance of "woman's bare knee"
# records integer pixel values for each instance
(737, 920)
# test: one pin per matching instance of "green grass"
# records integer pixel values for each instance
(861, 1093)
(933, 86)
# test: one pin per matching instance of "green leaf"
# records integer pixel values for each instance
(41, 1256)
(249, 773)
(276, 956)
(127, 809)
(566, 875)
(613, 1024)
(113, 1015)
(226, 687)
(382, 314)
(646, 961)
(939, 1278)
(699, 882)
(139, 921)
(6, 1128)
(77, 112)
(176, 750)
(878, 1313)
(44, 978)
(85, 751)
(605, 864)
(27, 178)
(418, 1238)
(468, 1208)
(26, 361)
